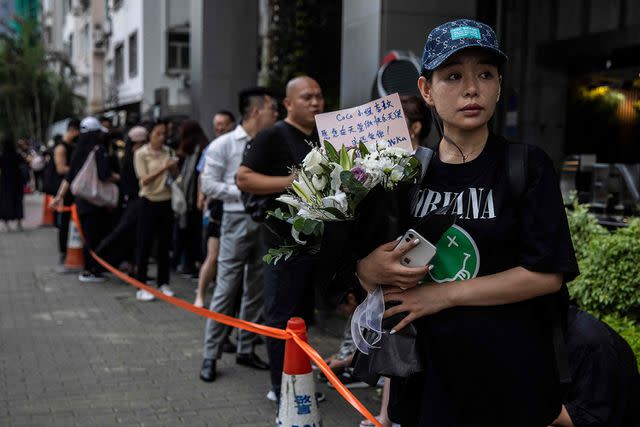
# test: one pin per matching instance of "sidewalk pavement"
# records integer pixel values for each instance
(91, 354)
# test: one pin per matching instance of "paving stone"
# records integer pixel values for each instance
(90, 354)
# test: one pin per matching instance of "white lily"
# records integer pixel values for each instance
(396, 173)
(290, 200)
(302, 189)
(319, 182)
(338, 201)
(296, 236)
(313, 161)
(336, 182)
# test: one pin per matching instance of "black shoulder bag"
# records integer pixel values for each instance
(396, 355)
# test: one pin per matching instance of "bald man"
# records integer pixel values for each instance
(264, 171)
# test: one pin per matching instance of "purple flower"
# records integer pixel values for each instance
(359, 174)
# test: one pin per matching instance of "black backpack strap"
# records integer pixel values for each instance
(517, 156)
(424, 155)
(517, 170)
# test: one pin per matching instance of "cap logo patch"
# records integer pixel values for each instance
(465, 33)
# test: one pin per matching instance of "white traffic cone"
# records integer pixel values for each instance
(74, 259)
(298, 405)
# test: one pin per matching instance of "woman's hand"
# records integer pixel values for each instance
(55, 203)
(382, 267)
(417, 302)
(171, 164)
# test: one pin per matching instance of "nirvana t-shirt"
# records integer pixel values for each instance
(493, 366)
(274, 151)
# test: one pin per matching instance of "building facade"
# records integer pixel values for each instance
(147, 59)
(130, 58)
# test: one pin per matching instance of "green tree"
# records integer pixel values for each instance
(33, 90)
(303, 37)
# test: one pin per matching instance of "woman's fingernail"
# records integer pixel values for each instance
(399, 237)
(415, 242)
(393, 331)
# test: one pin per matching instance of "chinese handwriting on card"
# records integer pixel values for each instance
(382, 118)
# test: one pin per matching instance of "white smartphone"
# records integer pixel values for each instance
(421, 254)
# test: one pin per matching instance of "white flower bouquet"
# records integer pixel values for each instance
(330, 185)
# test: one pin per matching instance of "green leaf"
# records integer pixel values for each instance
(298, 223)
(309, 226)
(353, 186)
(336, 212)
(332, 154)
(345, 160)
(364, 151)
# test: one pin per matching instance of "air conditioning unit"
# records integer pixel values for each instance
(99, 48)
(107, 27)
(98, 35)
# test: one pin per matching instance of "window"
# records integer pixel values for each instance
(119, 60)
(133, 54)
(70, 47)
(178, 51)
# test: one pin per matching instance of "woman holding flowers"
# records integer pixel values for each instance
(480, 314)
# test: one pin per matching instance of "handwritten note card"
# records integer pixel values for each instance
(379, 119)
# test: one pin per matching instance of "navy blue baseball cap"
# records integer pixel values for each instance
(449, 38)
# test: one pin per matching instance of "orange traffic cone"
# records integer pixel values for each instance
(298, 404)
(74, 259)
(47, 212)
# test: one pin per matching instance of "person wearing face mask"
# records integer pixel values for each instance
(480, 308)
(265, 171)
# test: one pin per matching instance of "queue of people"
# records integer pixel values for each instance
(142, 223)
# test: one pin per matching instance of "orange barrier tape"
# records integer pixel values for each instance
(64, 209)
(237, 323)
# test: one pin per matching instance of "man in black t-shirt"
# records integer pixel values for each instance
(265, 170)
(55, 173)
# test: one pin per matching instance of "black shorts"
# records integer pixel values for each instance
(215, 218)
(213, 229)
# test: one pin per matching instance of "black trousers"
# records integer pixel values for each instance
(187, 242)
(93, 227)
(288, 292)
(155, 220)
(62, 222)
(119, 245)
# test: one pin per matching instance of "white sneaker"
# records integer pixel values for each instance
(272, 396)
(90, 278)
(143, 295)
(165, 289)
